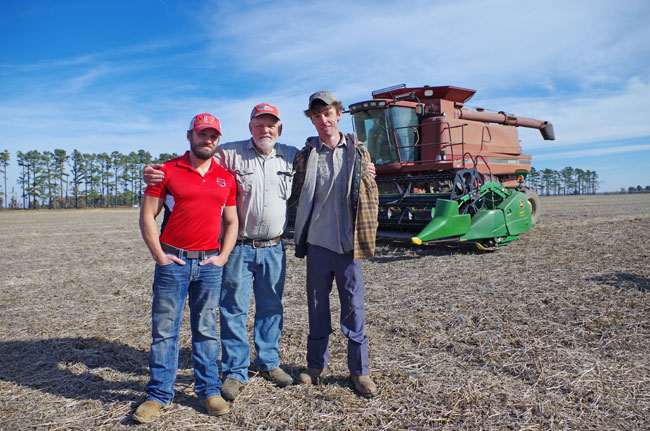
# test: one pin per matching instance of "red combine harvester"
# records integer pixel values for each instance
(445, 172)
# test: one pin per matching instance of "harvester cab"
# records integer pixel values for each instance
(429, 149)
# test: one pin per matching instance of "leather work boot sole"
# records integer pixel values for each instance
(278, 376)
(311, 376)
(216, 406)
(230, 388)
(147, 412)
(364, 385)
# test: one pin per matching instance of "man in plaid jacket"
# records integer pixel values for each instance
(336, 225)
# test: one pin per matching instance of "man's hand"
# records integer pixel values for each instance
(216, 260)
(230, 226)
(166, 259)
(151, 175)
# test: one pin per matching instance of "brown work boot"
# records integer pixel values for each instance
(147, 411)
(278, 376)
(364, 385)
(311, 376)
(216, 406)
(230, 388)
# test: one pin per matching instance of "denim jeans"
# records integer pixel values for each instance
(172, 284)
(264, 269)
(323, 266)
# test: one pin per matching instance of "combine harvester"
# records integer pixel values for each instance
(444, 172)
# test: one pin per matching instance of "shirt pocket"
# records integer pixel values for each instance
(245, 181)
(285, 182)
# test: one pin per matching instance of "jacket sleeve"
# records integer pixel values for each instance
(299, 166)
(367, 211)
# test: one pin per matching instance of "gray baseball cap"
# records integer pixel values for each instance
(324, 96)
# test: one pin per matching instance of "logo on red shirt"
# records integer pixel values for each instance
(221, 182)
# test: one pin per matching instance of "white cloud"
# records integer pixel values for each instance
(500, 44)
(597, 116)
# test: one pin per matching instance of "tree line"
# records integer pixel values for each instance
(55, 179)
(567, 181)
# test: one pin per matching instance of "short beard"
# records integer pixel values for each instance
(202, 153)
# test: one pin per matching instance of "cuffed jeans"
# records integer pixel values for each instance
(264, 270)
(323, 266)
(172, 283)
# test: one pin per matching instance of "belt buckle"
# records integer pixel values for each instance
(257, 243)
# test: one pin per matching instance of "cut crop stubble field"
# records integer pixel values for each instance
(550, 332)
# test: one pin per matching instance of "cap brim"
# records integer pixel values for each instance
(265, 113)
(201, 128)
(325, 100)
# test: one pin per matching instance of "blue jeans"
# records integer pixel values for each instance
(323, 266)
(264, 269)
(171, 284)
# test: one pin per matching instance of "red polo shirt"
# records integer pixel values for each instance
(195, 223)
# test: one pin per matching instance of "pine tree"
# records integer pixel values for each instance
(4, 162)
(58, 162)
(118, 161)
(77, 165)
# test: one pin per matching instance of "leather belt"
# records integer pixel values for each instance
(188, 254)
(262, 243)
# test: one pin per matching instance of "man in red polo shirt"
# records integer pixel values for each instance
(189, 261)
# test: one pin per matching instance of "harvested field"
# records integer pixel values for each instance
(550, 332)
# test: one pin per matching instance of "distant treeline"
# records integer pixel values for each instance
(570, 181)
(567, 181)
(58, 180)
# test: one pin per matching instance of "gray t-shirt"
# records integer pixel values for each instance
(263, 186)
(331, 220)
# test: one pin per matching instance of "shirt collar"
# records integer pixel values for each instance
(343, 141)
(184, 161)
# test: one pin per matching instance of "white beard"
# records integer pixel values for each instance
(265, 144)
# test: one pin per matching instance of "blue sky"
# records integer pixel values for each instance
(100, 76)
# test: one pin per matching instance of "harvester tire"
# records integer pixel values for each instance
(533, 202)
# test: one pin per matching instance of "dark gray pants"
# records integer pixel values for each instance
(323, 266)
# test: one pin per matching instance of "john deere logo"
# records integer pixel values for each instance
(521, 204)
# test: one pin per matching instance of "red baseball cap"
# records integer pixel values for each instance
(265, 108)
(204, 121)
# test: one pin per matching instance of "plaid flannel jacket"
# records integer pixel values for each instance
(364, 197)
